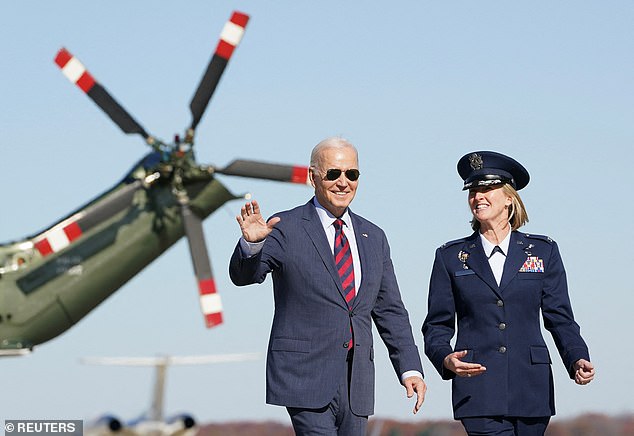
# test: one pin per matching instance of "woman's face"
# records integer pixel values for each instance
(489, 205)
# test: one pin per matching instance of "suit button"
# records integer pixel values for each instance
(500, 303)
(502, 326)
(502, 349)
(345, 345)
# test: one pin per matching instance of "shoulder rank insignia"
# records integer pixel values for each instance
(454, 242)
(542, 237)
(533, 264)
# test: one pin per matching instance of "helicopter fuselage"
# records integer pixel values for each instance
(47, 287)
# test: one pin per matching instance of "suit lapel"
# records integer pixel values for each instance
(478, 261)
(315, 231)
(514, 259)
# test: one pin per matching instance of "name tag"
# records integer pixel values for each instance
(463, 272)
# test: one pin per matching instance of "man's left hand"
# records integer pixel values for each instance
(415, 385)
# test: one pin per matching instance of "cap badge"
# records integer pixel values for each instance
(475, 160)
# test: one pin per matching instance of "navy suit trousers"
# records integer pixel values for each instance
(334, 419)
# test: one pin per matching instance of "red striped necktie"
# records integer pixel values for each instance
(343, 262)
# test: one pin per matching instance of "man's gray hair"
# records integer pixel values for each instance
(331, 142)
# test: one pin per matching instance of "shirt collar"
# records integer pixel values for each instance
(328, 218)
(489, 246)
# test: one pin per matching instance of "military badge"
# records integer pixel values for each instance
(463, 256)
(533, 264)
(527, 250)
(475, 160)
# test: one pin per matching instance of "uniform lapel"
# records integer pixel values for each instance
(514, 260)
(478, 261)
(315, 231)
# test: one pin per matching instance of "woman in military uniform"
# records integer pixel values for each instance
(495, 282)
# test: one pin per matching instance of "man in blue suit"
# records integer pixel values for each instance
(332, 276)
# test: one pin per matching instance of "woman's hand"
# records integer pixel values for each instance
(462, 369)
(584, 372)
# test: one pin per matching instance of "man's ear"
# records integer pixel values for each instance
(311, 176)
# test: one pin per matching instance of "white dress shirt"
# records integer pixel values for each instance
(496, 260)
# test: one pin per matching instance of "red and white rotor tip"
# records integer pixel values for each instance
(74, 70)
(231, 34)
(210, 302)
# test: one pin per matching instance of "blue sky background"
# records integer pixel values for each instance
(414, 84)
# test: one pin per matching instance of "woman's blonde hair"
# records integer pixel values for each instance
(517, 211)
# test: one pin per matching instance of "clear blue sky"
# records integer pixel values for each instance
(414, 84)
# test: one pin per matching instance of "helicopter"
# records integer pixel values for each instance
(49, 281)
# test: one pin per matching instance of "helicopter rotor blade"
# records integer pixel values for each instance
(229, 40)
(267, 171)
(64, 233)
(210, 302)
(75, 71)
(100, 212)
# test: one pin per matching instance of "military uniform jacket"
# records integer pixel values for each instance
(308, 347)
(500, 325)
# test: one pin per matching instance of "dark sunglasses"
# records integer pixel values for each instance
(333, 174)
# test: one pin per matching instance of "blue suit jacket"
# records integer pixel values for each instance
(500, 325)
(307, 350)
